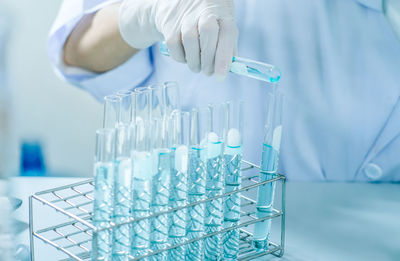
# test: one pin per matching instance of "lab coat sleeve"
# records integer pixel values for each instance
(373, 4)
(132, 73)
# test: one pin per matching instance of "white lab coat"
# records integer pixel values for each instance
(341, 76)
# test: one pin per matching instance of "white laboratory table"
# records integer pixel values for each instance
(324, 221)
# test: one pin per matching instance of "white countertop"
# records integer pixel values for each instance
(324, 221)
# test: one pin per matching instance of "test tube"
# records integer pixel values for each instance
(246, 67)
(103, 193)
(142, 111)
(122, 193)
(172, 101)
(142, 174)
(127, 105)
(179, 132)
(161, 174)
(112, 105)
(233, 156)
(269, 167)
(214, 182)
(199, 129)
(158, 101)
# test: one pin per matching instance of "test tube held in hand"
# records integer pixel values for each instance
(246, 67)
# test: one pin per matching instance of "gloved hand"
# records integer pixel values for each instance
(201, 33)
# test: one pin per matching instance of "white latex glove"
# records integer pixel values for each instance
(201, 33)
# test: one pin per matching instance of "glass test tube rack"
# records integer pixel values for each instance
(72, 206)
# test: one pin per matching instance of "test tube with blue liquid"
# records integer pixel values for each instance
(123, 178)
(269, 168)
(103, 207)
(233, 178)
(161, 172)
(122, 193)
(214, 182)
(179, 131)
(103, 193)
(246, 67)
(199, 129)
(142, 174)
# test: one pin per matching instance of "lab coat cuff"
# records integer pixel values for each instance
(128, 75)
(57, 37)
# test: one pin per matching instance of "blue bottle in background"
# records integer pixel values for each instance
(32, 161)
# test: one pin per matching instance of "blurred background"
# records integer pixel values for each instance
(52, 122)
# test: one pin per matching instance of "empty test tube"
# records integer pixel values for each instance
(179, 132)
(199, 129)
(233, 178)
(172, 101)
(269, 167)
(103, 193)
(142, 111)
(158, 101)
(112, 105)
(122, 192)
(127, 106)
(214, 182)
(246, 67)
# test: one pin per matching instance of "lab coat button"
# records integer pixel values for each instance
(373, 171)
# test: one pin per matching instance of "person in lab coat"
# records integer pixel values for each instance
(340, 61)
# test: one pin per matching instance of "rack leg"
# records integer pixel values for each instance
(31, 239)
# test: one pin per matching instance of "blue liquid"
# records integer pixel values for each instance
(122, 209)
(196, 192)
(159, 202)
(140, 241)
(233, 179)
(178, 198)
(103, 210)
(214, 209)
(265, 196)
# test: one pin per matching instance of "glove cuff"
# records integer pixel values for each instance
(137, 23)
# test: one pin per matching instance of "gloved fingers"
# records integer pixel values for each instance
(208, 29)
(191, 45)
(227, 44)
(175, 47)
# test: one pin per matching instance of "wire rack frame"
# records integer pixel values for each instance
(74, 202)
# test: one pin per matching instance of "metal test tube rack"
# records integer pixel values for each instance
(73, 235)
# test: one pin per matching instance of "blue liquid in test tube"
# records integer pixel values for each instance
(196, 192)
(178, 197)
(103, 194)
(199, 129)
(269, 167)
(214, 210)
(122, 208)
(159, 202)
(233, 157)
(140, 241)
(122, 193)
